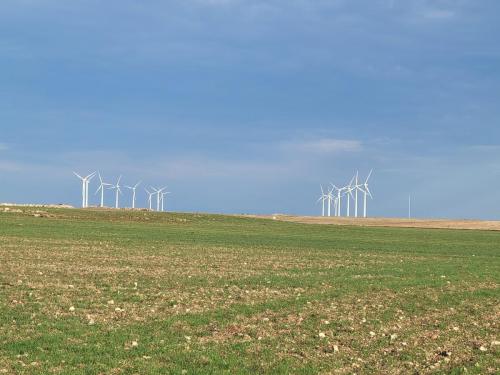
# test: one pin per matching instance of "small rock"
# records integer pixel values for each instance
(111, 302)
(483, 348)
(394, 337)
(335, 348)
(495, 343)
(321, 335)
(72, 308)
(134, 344)
(372, 333)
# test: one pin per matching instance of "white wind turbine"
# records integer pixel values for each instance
(349, 189)
(357, 187)
(330, 200)
(150, 198)
(158, 193)
(322, 198)
(133, 188)
(118, 191)
(101, 188)
(85, 187)
(338, 208)
(366, 191)
(163, 194)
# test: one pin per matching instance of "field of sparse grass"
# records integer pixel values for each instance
(121, 292)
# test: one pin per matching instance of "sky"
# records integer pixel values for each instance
(248, 106)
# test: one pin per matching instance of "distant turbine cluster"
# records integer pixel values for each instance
(334, 195)
(160, 193)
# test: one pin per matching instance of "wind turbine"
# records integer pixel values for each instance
(101, 188)
(117, 192)
(366, 192)
(357, 187)
(163, 194)
(133, 188)
(85, 187)
(322, 198)
(330, 199)
(349, 189)
(338, 199)
(409, 206)
(158, 192)
(150, 196)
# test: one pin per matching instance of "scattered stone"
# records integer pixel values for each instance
(444, 353)
(335, 348)
(321, 335)
(111, 302)
(372, 334)
(495, 343)
(483, 348)
(134, 344)
(394, 337)
(72, 308)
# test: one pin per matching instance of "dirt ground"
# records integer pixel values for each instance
(391, 222)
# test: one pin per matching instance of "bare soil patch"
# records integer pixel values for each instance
(390, 222)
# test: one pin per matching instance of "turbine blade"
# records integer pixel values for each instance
(369, 192)
(369, 174)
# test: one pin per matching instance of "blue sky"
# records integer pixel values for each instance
(247, 106)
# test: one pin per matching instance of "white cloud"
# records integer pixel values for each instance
(326, 146)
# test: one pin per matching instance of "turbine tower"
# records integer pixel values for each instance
(85, 187)
(158, 192)
(349, 196)
(366, 192)
(163, 194)
(322, 198)
(118, 191)
(133, 188)
(101, 188)
(330, 200)
(150, 198)
(338, 206)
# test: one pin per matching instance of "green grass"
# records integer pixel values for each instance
(218, 294)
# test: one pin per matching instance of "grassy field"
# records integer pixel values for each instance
(89, 292)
